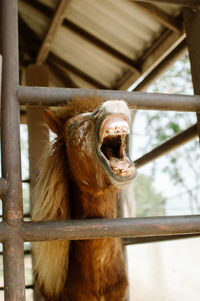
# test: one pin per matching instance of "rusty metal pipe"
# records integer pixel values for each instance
(13, 262)
(136, 100)
(101, 228)
(11, 165)
(152, 239)
(168, 146)
(137, 230)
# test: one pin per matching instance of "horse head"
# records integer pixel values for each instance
(97, 145)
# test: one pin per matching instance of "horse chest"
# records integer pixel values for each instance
(92, 262)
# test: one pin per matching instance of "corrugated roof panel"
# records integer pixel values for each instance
(103, 25)
(86, 57)
(121, 26)
(37, 21)
(132, 14)
(80, 81)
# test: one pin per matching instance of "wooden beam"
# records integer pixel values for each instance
(153, 57)
(171, 22)
(106, 48)
(30, 35)
(53, 28)
(168, 61)
(188, 3)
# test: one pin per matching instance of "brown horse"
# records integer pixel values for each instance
(80, 178)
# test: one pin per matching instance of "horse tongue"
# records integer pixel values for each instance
(118, 165)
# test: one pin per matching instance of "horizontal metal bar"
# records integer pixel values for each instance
(188, 3)
(30, 286)
(144, 240)
(106, 228)
(129, 240)
(137, 100)
(168, 146)
(26, 181)
(26, 215)
(103, 228)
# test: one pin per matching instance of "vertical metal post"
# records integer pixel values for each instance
(13, 247)
(192, 26)
(0, 73)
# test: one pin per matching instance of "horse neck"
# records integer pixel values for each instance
(95, 203)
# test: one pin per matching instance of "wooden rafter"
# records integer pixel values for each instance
(149, 60)
(31, 36)
(53, 28)
(105, 47)
(169, 60)
(188, 3)
(162, 17)
(161, 48)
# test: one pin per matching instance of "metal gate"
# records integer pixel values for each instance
(14, 231)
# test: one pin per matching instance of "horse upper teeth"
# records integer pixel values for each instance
(125, 130)
(111, 131)
(119, 128)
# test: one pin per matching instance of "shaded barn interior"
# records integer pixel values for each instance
(100, 45)
(92, 44)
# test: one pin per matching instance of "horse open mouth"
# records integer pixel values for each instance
(114, 140)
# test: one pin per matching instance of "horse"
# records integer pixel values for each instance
(80, 178)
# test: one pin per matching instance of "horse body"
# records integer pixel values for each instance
(95, 162)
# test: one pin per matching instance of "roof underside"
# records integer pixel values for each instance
(105, 44)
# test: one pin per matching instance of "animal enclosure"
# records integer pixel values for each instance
(14, 230)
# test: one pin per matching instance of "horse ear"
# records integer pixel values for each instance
(53, 121)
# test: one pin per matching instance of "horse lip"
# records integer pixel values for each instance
(115, 125)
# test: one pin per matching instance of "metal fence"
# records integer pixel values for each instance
(14, 231)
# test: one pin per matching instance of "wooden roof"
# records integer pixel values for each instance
(107, 44)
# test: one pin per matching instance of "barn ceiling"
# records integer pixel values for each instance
(104, 44)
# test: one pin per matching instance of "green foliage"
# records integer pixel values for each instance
(148, 201)
(182, 164)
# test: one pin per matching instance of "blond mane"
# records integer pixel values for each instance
(78, 106)
(52, 202)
